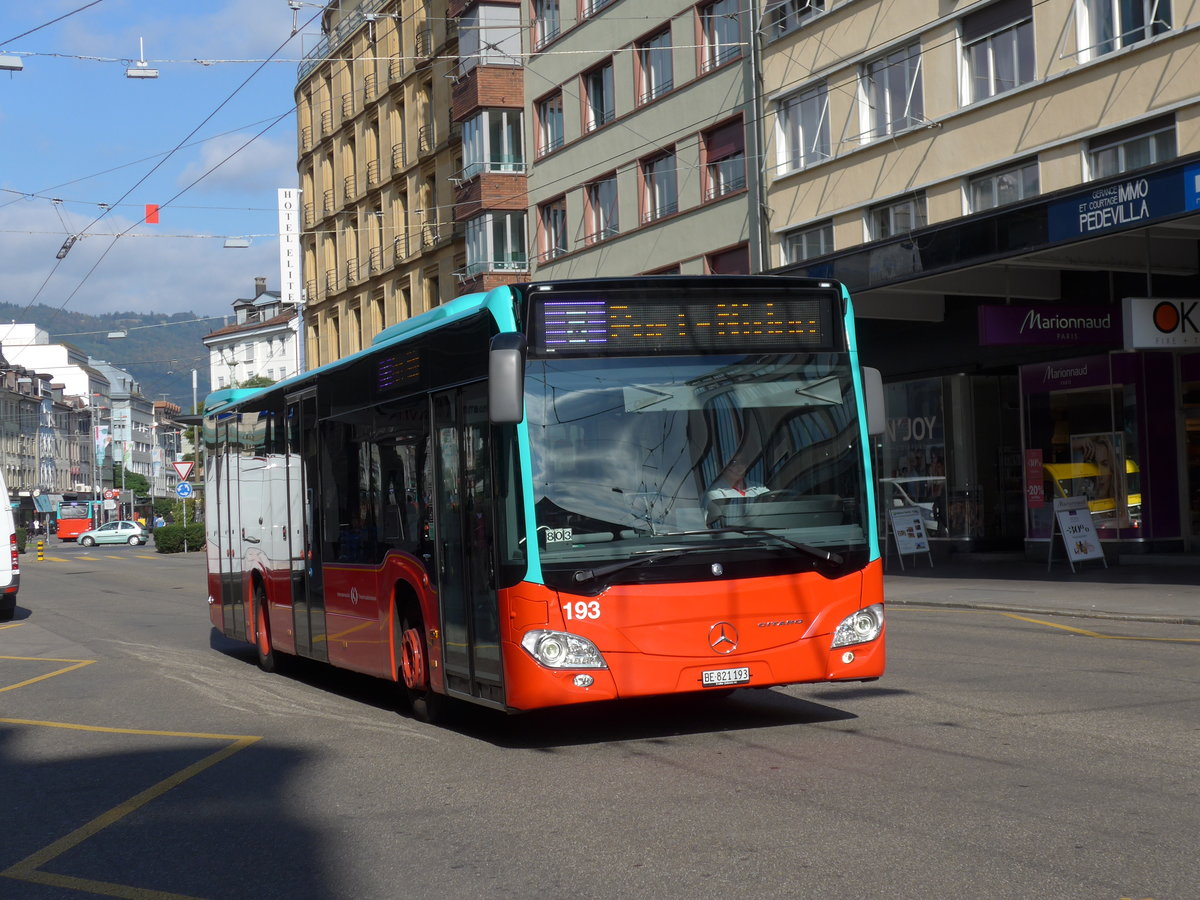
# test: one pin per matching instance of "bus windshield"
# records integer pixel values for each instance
(74, 512)
(697, 453)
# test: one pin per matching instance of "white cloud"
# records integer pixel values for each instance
(263, 164)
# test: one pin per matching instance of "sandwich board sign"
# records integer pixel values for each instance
(908, 531)
(1073, 520)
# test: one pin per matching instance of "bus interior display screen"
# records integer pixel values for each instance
(635, 326)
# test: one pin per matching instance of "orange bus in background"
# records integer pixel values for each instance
(77, 516)
(561, 493)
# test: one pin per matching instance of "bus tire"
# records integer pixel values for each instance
(262, 631)
(427, 705)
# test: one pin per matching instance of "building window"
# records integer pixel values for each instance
(729, 262)
(1003, 186)
(1108, 25)
(591, 7)
(802, 122)
(897, 217)
(550, 123)
(998, 48)
(553, 219)
(783, 16)
(546, 22)
(493, 142)
(725, 159)
(496, 243)
(1132, 148)
(721, 33)
(892, 93)
(599, 106)
(809, 242)
(659, 192)
(654, 66)
(601, 198)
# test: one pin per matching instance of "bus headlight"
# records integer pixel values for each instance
(562, 650)
(860, 627)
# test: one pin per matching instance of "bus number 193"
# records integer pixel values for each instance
(582, 609)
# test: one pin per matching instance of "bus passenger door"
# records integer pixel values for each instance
(233, 609)
(303, 541)
(470, 619)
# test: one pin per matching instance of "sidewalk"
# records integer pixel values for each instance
(1162, 589)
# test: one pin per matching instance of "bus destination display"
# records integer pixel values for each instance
(591, 324)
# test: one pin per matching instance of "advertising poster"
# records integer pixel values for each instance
(908, 528)
(1078, 533)
(1035, 480)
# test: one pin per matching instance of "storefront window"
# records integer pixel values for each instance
(1081, 441)
(913, 457)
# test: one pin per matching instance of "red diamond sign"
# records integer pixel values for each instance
(183, 469)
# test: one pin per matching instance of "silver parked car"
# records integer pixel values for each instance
(121, 532)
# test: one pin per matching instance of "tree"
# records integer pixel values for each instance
(257, 381)
(132, 480)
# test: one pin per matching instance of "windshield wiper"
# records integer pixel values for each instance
(820, 553)
(611, 568)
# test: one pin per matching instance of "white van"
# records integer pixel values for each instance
(10, 564)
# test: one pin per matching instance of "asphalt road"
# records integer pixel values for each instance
(1003, 755)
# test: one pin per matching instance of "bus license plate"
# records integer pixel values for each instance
(717, 677)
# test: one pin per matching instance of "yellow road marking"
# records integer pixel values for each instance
(1099, 635)
(1080, 631)
(77, 664)
(28, 869)
(11, 625)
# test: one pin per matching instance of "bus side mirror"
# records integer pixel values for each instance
(506, 379)
(873, 398)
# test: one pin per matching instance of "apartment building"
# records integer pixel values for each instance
(377, 155)
(262, 341)
(1010, 190)
(641, 125)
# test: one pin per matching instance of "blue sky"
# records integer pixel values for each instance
(74, 128)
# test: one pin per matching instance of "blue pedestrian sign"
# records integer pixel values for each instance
(183, 490)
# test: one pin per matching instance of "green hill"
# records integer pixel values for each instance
(160, 351)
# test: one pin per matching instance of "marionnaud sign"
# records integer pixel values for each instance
(1124, 204)
(1090, 371)
(1161, 323)
(1064, 325)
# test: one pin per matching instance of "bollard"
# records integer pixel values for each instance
(41, 551)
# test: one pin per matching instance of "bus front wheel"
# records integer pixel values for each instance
(427, 705)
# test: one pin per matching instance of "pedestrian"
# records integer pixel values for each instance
(159, 521)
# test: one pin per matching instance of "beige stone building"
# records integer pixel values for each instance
(1010, 190)
(377, 151)
(641, 126)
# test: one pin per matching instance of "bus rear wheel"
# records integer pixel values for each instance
(427, 705)
(262, 631)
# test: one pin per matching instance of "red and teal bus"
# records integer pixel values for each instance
(563, 492)
(77, 516)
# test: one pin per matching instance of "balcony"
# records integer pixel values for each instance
(350, 186)
(396, 70)
(399, 156)
(370, 87)
(326, 122)
(400, 249)
(373, 172)
(327, 203)
(375, 261)
(353, 276)
(348, 105)
(331, 281)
